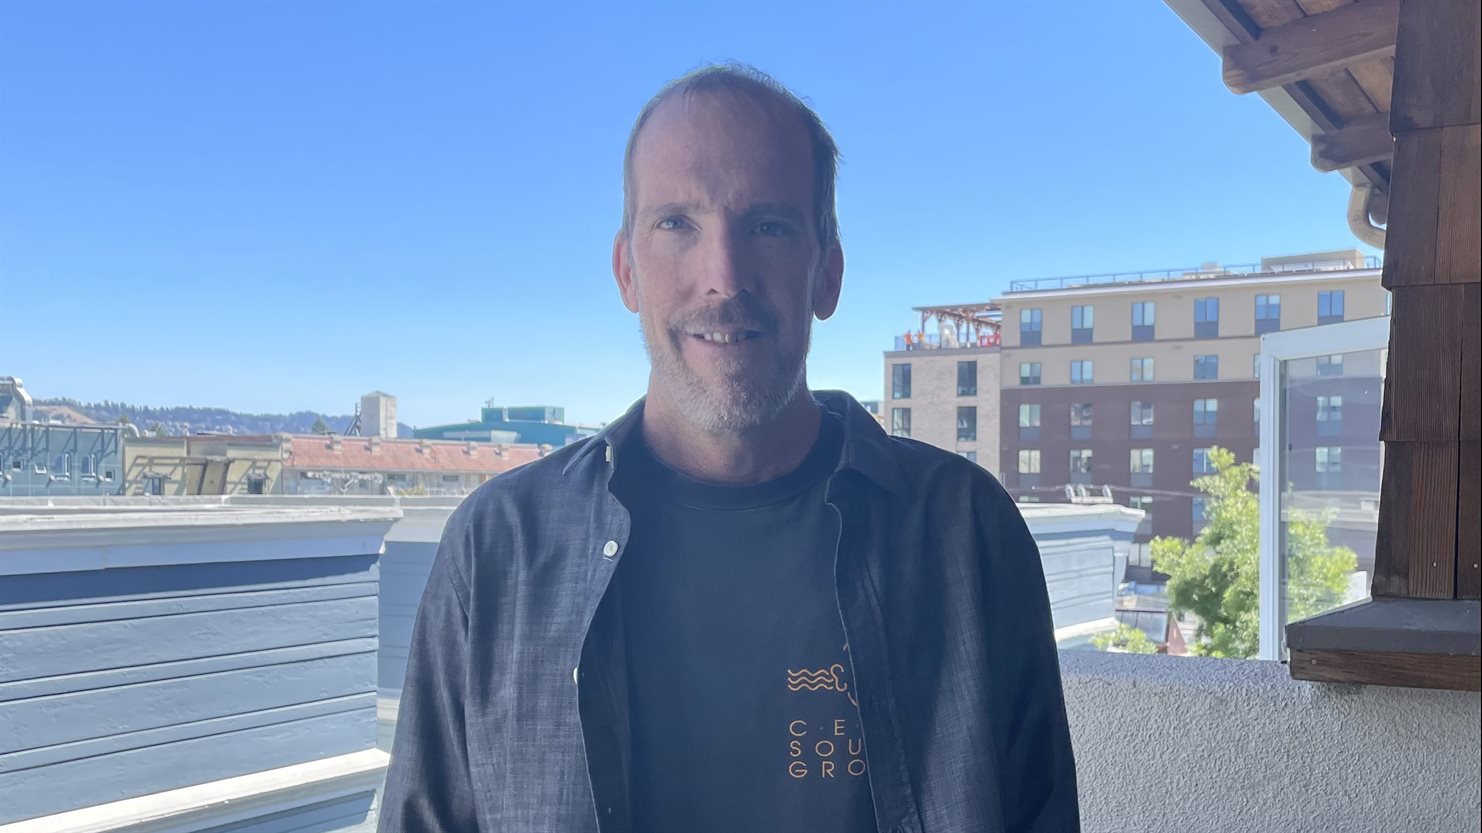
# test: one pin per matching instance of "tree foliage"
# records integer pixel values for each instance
(1125, 639)
(1216, 576)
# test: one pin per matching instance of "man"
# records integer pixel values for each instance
(741, 607)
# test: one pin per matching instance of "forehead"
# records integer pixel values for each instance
(722, 146)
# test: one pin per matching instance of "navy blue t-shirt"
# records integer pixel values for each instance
(741, 698)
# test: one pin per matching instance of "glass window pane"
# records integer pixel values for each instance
(1330, 462)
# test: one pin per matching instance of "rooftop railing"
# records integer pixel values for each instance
(1189, 273)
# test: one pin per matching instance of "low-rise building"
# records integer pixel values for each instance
(534, 425)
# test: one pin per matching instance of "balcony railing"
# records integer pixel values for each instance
(931, 342)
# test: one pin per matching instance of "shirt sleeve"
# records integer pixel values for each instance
(1036, 765)
(428, 787)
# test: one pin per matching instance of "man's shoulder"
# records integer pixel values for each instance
(926, 467)
(551, 478)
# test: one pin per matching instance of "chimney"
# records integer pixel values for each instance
(375, 444)
(334, 442)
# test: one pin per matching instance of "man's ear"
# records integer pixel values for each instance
(622, 270)
(830, 284)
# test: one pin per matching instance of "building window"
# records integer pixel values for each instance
(900, 381)
(967, 378)
(900, 422)
(61, 466)
(450, 478)
(1330, 307)
(1029, 373)
(1144, 503)
(970, 456)
(1207, 367)
(1080, 421)
(1202, 465)
(1206, 318)
(154, 484)
(1082, 324)
(1206, 411)
(1143, 321)
(108, 475)
(1199, 516)
(1142, 420)
(967, 424)
(1330, 365)
(1081, 372)
(1206, 416)
(257, 484)
(1029, 461)
(1142, 461)
(1329, 409)
(1029, 421)
(1268, 313)
(1080, 465)
(1329, 459)
(89, 465)
(1031, 322)
(1142, 370)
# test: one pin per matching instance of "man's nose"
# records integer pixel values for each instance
(725, 268)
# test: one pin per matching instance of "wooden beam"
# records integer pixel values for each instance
(1313, 46)
(1441, 85)
(1358, 143)
(1455, 673)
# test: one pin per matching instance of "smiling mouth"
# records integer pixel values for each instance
(737, 337)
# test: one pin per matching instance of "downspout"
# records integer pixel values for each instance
(1358, 216)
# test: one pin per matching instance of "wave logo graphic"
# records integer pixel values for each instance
(826, 679)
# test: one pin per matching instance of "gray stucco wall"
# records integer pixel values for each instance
(1190, 745)
(123, 682)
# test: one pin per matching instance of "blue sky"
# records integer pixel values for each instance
(273, 206)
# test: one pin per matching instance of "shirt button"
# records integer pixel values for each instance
(610, 549)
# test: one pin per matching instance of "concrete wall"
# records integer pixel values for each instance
(1190, 745)
(143, 652)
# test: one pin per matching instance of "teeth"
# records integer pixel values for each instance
(728, 338)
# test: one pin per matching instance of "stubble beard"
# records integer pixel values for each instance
(749, 392)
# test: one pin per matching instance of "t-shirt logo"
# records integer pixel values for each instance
(826, 679)
(827, 747)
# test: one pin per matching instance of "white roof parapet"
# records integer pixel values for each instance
(49, 541)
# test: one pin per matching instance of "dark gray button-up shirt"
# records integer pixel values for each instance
(513, 718)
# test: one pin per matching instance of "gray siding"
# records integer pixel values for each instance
(1080, 575)
(120, 683)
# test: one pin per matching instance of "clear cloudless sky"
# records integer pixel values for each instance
(272, 206)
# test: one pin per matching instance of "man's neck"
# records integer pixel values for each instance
(756, 455)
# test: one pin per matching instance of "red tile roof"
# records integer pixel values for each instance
(375, 454)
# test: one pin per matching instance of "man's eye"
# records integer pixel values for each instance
(772, 228)
(671, 224)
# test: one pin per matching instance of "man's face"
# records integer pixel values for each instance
(722, 261)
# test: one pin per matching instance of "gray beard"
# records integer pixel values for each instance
(737, 403)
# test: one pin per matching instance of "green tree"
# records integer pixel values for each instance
(1125, 639)
(1216, 576)
(319, 427)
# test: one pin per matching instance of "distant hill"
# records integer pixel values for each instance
(179, 420)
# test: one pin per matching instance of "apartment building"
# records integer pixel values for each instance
(942, 382)
(1125, 381)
